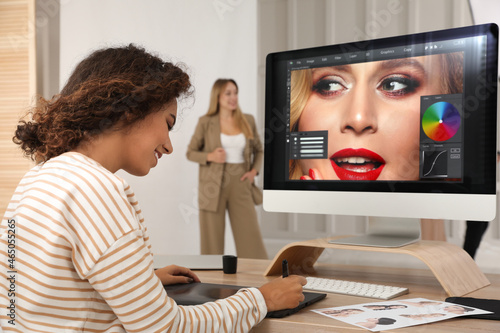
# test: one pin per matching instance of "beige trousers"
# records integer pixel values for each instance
(236, 197)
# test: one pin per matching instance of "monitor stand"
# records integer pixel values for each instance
(455, 270)
(386, 232)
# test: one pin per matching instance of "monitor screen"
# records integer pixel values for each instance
(404, 126)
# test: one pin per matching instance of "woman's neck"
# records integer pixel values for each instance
(104, 151)
(228, 123)
(226, 113)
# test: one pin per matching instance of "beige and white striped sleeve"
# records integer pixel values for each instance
(125, 278)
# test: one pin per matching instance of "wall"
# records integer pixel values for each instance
(17, 87)
(215, 39)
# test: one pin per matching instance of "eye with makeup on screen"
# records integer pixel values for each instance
(398, 85)
(329, 86)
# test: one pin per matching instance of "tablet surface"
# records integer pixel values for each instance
(199, 293)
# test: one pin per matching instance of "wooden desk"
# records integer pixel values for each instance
(421, 283)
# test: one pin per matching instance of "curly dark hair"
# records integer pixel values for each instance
(110, 89)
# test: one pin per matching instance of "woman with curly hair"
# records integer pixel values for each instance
(83, 258)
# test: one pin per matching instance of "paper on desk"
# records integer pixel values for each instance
(387, 315)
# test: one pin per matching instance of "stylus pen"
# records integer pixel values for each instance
(284, 267)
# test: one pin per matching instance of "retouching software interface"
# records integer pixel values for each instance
(382, 114)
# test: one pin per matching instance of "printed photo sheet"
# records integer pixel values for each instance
(387, 315)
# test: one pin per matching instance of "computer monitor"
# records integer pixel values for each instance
(399, 127)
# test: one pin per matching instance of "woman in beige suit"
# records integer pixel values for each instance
(227, 147)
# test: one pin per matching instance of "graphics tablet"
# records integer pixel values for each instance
(199, 293)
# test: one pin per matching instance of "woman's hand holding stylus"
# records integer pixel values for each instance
(283, 293)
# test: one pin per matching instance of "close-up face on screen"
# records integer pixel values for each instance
(396, 119)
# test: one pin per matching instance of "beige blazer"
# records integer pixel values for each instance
(205, 139)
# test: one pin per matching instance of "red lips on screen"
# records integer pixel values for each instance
(357, 164)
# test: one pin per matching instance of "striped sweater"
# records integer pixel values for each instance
(75, 256)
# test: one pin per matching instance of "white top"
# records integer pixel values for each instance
(83, 261)
(234, 145)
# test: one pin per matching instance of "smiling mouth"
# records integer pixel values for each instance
(357, 164)
(157, 155)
